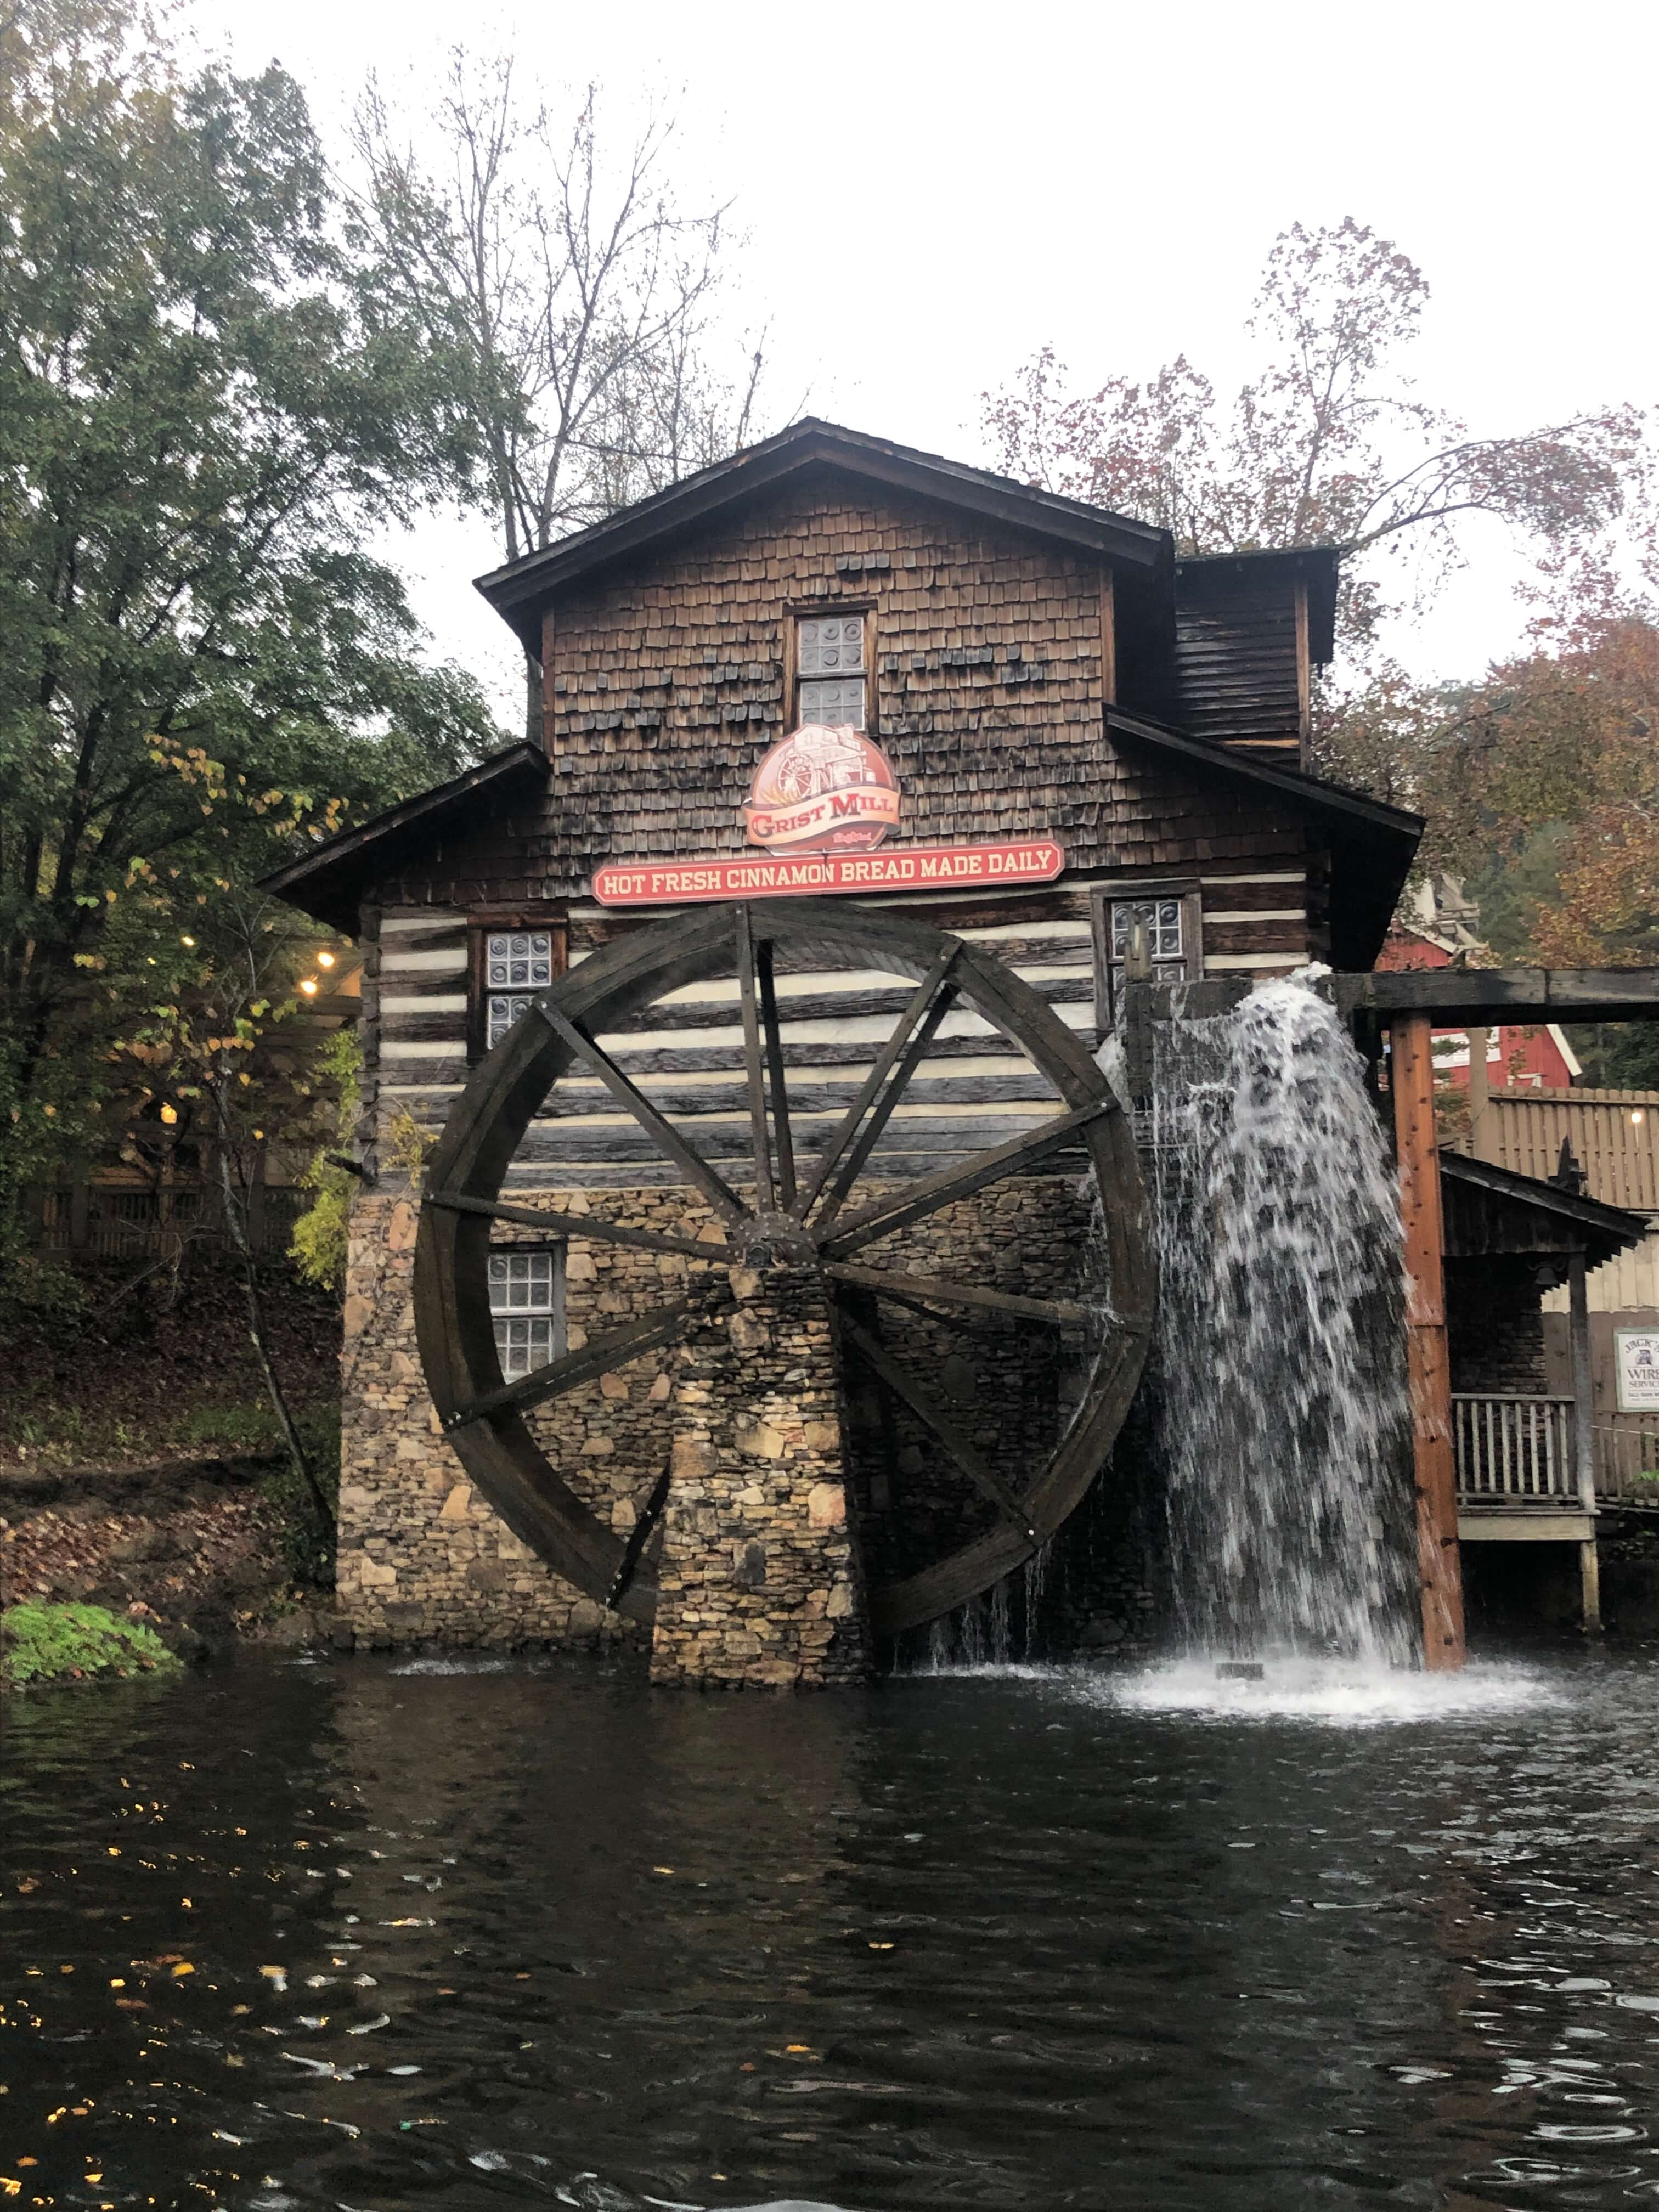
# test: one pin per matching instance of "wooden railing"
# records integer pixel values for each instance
(1509, 1449)
(125, 1225)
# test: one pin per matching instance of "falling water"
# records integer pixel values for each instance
(1036, 1576)
(1283, 1392)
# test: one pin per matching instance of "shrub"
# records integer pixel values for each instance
(42, 1643)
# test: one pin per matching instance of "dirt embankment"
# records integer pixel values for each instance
(139, 1460)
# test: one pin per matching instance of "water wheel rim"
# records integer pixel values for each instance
(464, 1173)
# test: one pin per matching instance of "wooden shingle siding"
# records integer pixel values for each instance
(1237, 674)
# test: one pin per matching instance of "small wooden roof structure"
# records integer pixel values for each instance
(1489, 1210)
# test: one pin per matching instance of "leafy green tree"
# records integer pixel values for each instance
(211, 397)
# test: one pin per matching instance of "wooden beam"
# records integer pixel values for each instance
(1458, 996)
(921, 999)
(1428, 1365)
(592, 1225)
(1584, 1432)
(870, 1135)
(776, 1075)
(596, 1358)
(927, 1409)
(926, 1196)
(667, 1138)
(754, 1069)
(922, 1290)
(645, 1520)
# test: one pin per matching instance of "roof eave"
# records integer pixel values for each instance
(319, 882)
(519, 589)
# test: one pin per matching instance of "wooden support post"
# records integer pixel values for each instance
(1479, 1095)
(1427, 1361)
(1583, 1434)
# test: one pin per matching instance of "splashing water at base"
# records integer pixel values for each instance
(1284, 1408)
(1345, 1693)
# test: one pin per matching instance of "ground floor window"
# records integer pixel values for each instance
(526, 1304)
(517, 964)
(511, 959)
(1169, 914)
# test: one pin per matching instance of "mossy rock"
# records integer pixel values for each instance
(41, 1643)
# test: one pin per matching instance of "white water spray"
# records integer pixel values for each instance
(1283, 1406)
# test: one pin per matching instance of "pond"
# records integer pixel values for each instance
(469, 1935)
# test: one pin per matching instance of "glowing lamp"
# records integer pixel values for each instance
(169, 1114)
(309, 986)
(324, 959)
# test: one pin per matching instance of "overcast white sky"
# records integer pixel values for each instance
(931, 193)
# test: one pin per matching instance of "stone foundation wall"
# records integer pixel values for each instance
(423, 1558)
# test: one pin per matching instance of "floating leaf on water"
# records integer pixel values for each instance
(277, 1975)
(369, 2026)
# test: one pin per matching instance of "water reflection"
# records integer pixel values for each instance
(355, 1935)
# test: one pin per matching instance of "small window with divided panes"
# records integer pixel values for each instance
(830, 670)
(526, 1305)
(517, 962)
(1170, 922)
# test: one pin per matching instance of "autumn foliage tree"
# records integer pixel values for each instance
(1328, 442)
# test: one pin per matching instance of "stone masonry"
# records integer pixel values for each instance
(759, 1576)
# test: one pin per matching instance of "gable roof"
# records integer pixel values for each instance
(1372, 844)
(519, 591)
(328, 881)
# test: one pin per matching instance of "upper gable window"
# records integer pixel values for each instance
(831, 670)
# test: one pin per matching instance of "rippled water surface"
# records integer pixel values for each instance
(373, 1936)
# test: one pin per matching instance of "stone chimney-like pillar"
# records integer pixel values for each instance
(760, 1579)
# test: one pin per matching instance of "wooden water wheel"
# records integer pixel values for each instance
(823, 1195)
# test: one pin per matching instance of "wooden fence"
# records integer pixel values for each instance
(122, 1225)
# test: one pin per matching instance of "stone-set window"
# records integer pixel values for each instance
(517, 964)
(1171, 916)
(526, 1304)
(830, 670)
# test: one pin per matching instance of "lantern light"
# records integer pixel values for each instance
(1637, 1118)
(309, 986)
(324, 959)
(169, 1114)
(190, 941)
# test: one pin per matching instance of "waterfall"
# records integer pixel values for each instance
(1282, 1404)
(1036, 1574)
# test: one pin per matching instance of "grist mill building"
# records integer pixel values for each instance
(778, 1280)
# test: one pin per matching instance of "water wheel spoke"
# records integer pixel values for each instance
(662, 1134)
(593, 1226)
(928, 1410)
(639, 1536)
(927, 998)
(922, 1292)
(754, 1067)
(898, 1209)
(770, 1023)
(596, 1358)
